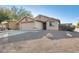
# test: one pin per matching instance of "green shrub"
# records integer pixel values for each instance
(71, 28)
(67, 27)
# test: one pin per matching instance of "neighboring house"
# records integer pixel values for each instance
(3, 26)
(38, 23)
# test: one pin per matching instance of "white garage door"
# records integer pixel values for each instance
(27, 26)
(38, 25)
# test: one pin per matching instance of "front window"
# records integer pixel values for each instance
(51, 24)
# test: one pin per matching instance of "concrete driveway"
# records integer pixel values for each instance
(8, 33)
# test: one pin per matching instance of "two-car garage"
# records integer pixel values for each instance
(27, 26)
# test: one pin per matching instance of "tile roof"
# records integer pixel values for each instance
(41, 18)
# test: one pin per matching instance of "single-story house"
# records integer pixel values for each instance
(46, 23)
(40, 22)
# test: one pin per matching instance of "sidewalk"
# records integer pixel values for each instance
(3, 34)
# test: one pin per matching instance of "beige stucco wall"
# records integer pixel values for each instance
(54, 27)
(39, 25)
(12, 25)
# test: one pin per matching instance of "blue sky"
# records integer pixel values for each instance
(66, 13)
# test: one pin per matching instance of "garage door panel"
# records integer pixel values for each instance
(27, 26)
(38, 25)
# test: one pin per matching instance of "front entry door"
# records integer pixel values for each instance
(44, 26)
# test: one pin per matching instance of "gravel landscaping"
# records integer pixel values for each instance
(41, 42)
(42, 45)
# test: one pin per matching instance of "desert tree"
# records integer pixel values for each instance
(4, 15)
(18, 13)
